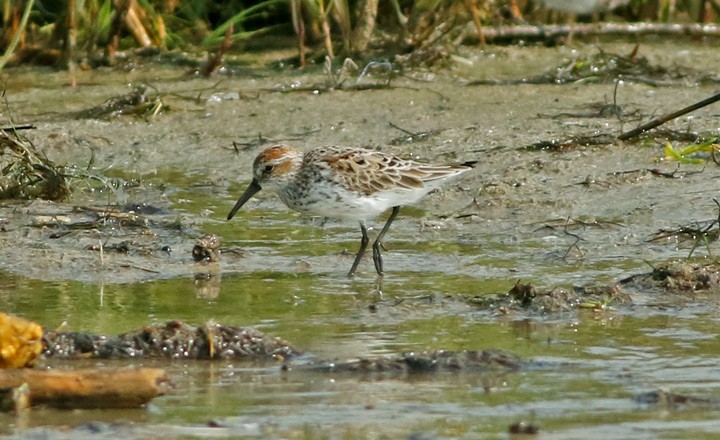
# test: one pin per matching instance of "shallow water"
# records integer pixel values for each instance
(551, 219)
(588, 365)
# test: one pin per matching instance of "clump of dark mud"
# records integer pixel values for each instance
(526, 297)
(175, 340)
(669, 400)
(140, 102)
(678, 277)
(422, 362)
(207, 249)
(675, 277)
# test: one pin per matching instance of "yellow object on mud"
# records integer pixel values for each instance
(20, 341)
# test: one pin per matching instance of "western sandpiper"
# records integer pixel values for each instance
(346, 183)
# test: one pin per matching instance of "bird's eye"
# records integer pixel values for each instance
(268, 168)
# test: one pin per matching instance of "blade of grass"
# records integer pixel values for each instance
(681, 155)
(238, 19)
(16, 38)
(239, 36)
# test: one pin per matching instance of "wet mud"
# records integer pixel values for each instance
(611, 194)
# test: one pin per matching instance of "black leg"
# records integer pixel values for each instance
(377, 257)
(363, 245)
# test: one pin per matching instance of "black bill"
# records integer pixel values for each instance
(249, 192)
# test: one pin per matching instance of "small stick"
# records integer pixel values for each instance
(214, 61)
(135, 24)
(663, 119)
(299, 26)
(472, 9)
(19, 127)
(121, 8)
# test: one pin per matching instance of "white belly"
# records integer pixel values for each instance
(346, 205)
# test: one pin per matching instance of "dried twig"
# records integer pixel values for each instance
(214, 62)
(502, 34)
(665, 118)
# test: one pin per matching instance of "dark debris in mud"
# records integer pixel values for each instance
(598, 138)
(140, 102)
(702, 233)
(638, 173)
(207, 249)
(668, 400)
(420, 362)
(25, 173)
(178, 340)
(663, 135)
(704, 147)
(524, 428)
(410, 137)
(83, 222)
(572, 143)
(596, 110)
(669, 278)
(677, 277)
(317, 88)
(174, 340)
(606, 67)
(526, 297)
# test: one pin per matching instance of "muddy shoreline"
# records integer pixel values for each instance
(202, 146)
